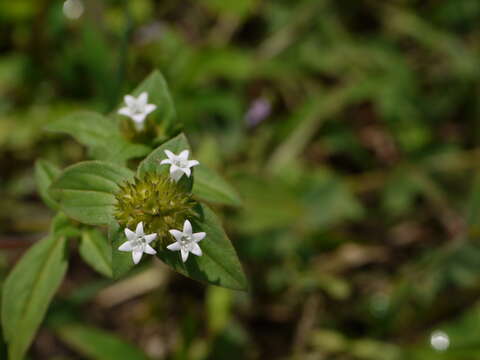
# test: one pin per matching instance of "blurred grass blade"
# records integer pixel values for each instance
(96, 344)
(473, 209)
(309, 118)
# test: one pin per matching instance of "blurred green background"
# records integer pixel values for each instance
(351, 129)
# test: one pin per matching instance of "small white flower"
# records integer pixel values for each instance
(179, 164)
(137, 109)
(186, 241)
(138, 243)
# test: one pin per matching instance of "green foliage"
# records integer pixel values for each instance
(96, 250)
(210, 186)
(163, 117)
(96, 344)
(45, 174)
(101, 135)
(349, 131)
(152, 162)
(219, 264)
(85, 191)
(121, 261)
(28, 291)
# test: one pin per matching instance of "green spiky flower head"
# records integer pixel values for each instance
(157, 201)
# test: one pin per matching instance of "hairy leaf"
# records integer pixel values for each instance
(96, 250)
(219, 264)
(101, 135)
(45, 174)
(85, 191)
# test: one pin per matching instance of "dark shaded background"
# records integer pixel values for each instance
(351, 130)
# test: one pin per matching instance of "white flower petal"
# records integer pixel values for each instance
(198, 236)
(187, 228)
(196, 249)
(174, 247)
(176, 234)
(150, 108)
(166, 161)
(149, 250)
(129, 100)
(184, 255)
(192, 163)
(139, 229)
(139, 118)
(125, 111)
(170, 155)
(149, 238)
(187, 171)
(177, 174)
(126, 246)
(174, 168)
(130, 234)
(183, 155)
(136, 256)
(142, 99)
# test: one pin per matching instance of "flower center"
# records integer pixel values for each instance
(139, 243)
(155, 200)
(180, 163)
(186, 242)
(136, 109)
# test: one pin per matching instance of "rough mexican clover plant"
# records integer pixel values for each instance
(120, 213)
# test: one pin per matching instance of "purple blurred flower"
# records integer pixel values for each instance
(259, 110)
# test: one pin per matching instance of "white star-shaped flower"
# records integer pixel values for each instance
(137, 109)
(138, 243)
(186, 241)
(179, 164)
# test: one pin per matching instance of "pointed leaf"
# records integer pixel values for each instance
(96, 250)
(85, 191)
(45, 174)
(28, 290)
(101, 135)
(219, 264)
(210, 186)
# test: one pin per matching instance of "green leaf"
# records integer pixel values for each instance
(85, 191)
(210, 186)
(95, 249)
(152, 162)
(45, 174)
(121, 261)
(97, 344)
(28, 290)
(101, 135)
(159, 95)
(219, 264)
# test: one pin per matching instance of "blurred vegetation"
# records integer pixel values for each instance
(351, 130)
